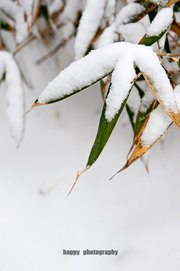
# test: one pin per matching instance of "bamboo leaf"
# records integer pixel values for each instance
(175, 117)
(156, 127)
(104, 131)
(149, 40)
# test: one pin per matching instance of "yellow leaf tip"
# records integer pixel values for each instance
(77, 177)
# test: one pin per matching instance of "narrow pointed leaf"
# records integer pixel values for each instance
(157, 30)
(149, 40)
(104, 131)
(173, 115)
(83, 73)
(156, 127)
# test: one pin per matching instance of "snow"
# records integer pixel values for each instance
(157, 125)
(9, 7)
(149, 64)
(88, 26)
(158, 122)
(140, 218)
(14, 95)
(161, 22)
(16, 12)
(101, 62)
(28, 9)
(55, 6)
(134, 102)
(147, 100)
(160, 2)
(128, 13)
(121, 81)
(108, 36)
(83, 72)
(132, 32)
(21, 26)
(109, 13)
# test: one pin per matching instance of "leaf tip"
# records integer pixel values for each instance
(77, 177)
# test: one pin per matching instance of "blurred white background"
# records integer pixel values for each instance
(136, 214)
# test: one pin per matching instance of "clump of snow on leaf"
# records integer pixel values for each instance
(125, 16)
(161, 22)
(121, 81)
(158, 123)
(17, 13)
(149, 64)
(88, 26)
(129, 13)
(83, 72)
(100, 63)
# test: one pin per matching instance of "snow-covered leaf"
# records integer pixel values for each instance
(88, 26)
(158, 27)
(14, 95)
(157, 125)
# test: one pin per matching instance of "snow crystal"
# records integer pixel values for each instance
(88, 26)
(161, 22)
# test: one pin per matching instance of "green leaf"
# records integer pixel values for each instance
(140, 91)
(104, 131)
(130, 114)
(141, 118)
(149, 40)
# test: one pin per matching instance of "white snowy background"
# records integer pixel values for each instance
(136, 214)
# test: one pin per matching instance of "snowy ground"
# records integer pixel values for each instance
(135, 214)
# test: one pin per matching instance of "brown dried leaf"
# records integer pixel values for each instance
(171, 2)
(175, 117)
